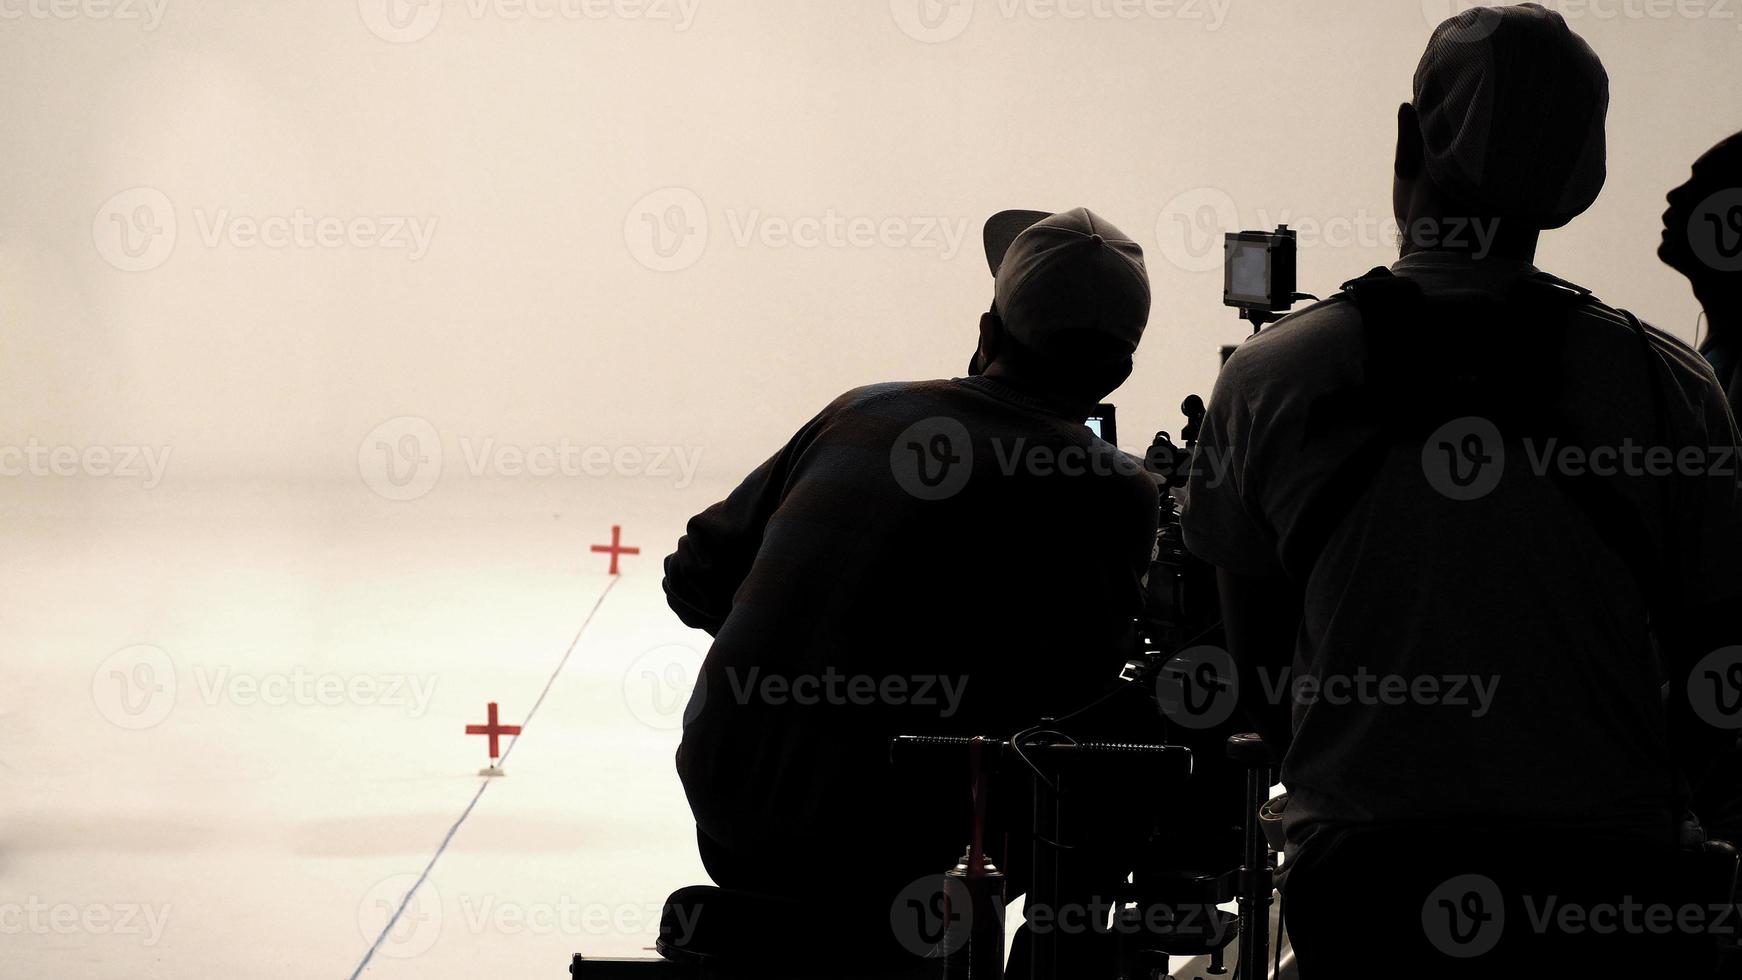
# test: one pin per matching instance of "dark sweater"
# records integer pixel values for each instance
(974, 597)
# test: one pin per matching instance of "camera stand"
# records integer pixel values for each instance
(1051, 763)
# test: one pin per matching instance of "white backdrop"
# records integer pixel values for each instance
(247, 233)
(333, 334)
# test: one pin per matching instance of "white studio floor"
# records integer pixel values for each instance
(232, 730)
(259, 812)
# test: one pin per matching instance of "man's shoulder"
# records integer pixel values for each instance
(1688, 369)
(897, 392)
(1314, 337)
(1314, 340)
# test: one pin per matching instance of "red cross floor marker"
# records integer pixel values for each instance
(495, 730)
(615, 548)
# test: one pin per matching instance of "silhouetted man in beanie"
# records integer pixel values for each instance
(1453, 503)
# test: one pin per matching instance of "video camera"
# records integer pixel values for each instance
(1258, 279)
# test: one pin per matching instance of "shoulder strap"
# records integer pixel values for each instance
(1381, 299)
(1399, 395)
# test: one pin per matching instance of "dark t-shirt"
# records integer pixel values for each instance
(941, 557)
(1523, 617)
(1726, 360)
(1718, 800)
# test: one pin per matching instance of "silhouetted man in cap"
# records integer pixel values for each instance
(939, 557)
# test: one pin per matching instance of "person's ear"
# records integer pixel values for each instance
(1410, 146)
(991, 341)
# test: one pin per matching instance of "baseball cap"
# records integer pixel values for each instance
(1512, 106)
(1071, 270)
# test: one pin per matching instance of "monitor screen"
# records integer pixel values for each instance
(1102, 423)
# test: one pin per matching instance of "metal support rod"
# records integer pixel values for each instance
(1255, 883)
(1043, 943)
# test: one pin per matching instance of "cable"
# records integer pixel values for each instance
(467, 812)
(400, 911)
(524, 725)
(1032, 730)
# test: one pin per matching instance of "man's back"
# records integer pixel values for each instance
(1510, 615)
(938, 557)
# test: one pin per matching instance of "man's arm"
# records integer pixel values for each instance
(1698, 672)
(720, 544)
(1261, 615)
(1225, 526)
(718, 547)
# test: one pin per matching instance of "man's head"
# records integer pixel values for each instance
(1506, 128)
(1702, 230)
(1071, 304)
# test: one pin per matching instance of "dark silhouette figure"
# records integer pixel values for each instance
(1702, 239)
(953, 557)
(1421, 499)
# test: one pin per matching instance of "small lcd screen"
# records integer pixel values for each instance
(1102, 424)
(1249, 272)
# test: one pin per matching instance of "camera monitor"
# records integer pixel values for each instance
(1259, 269)
(1102, 423)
